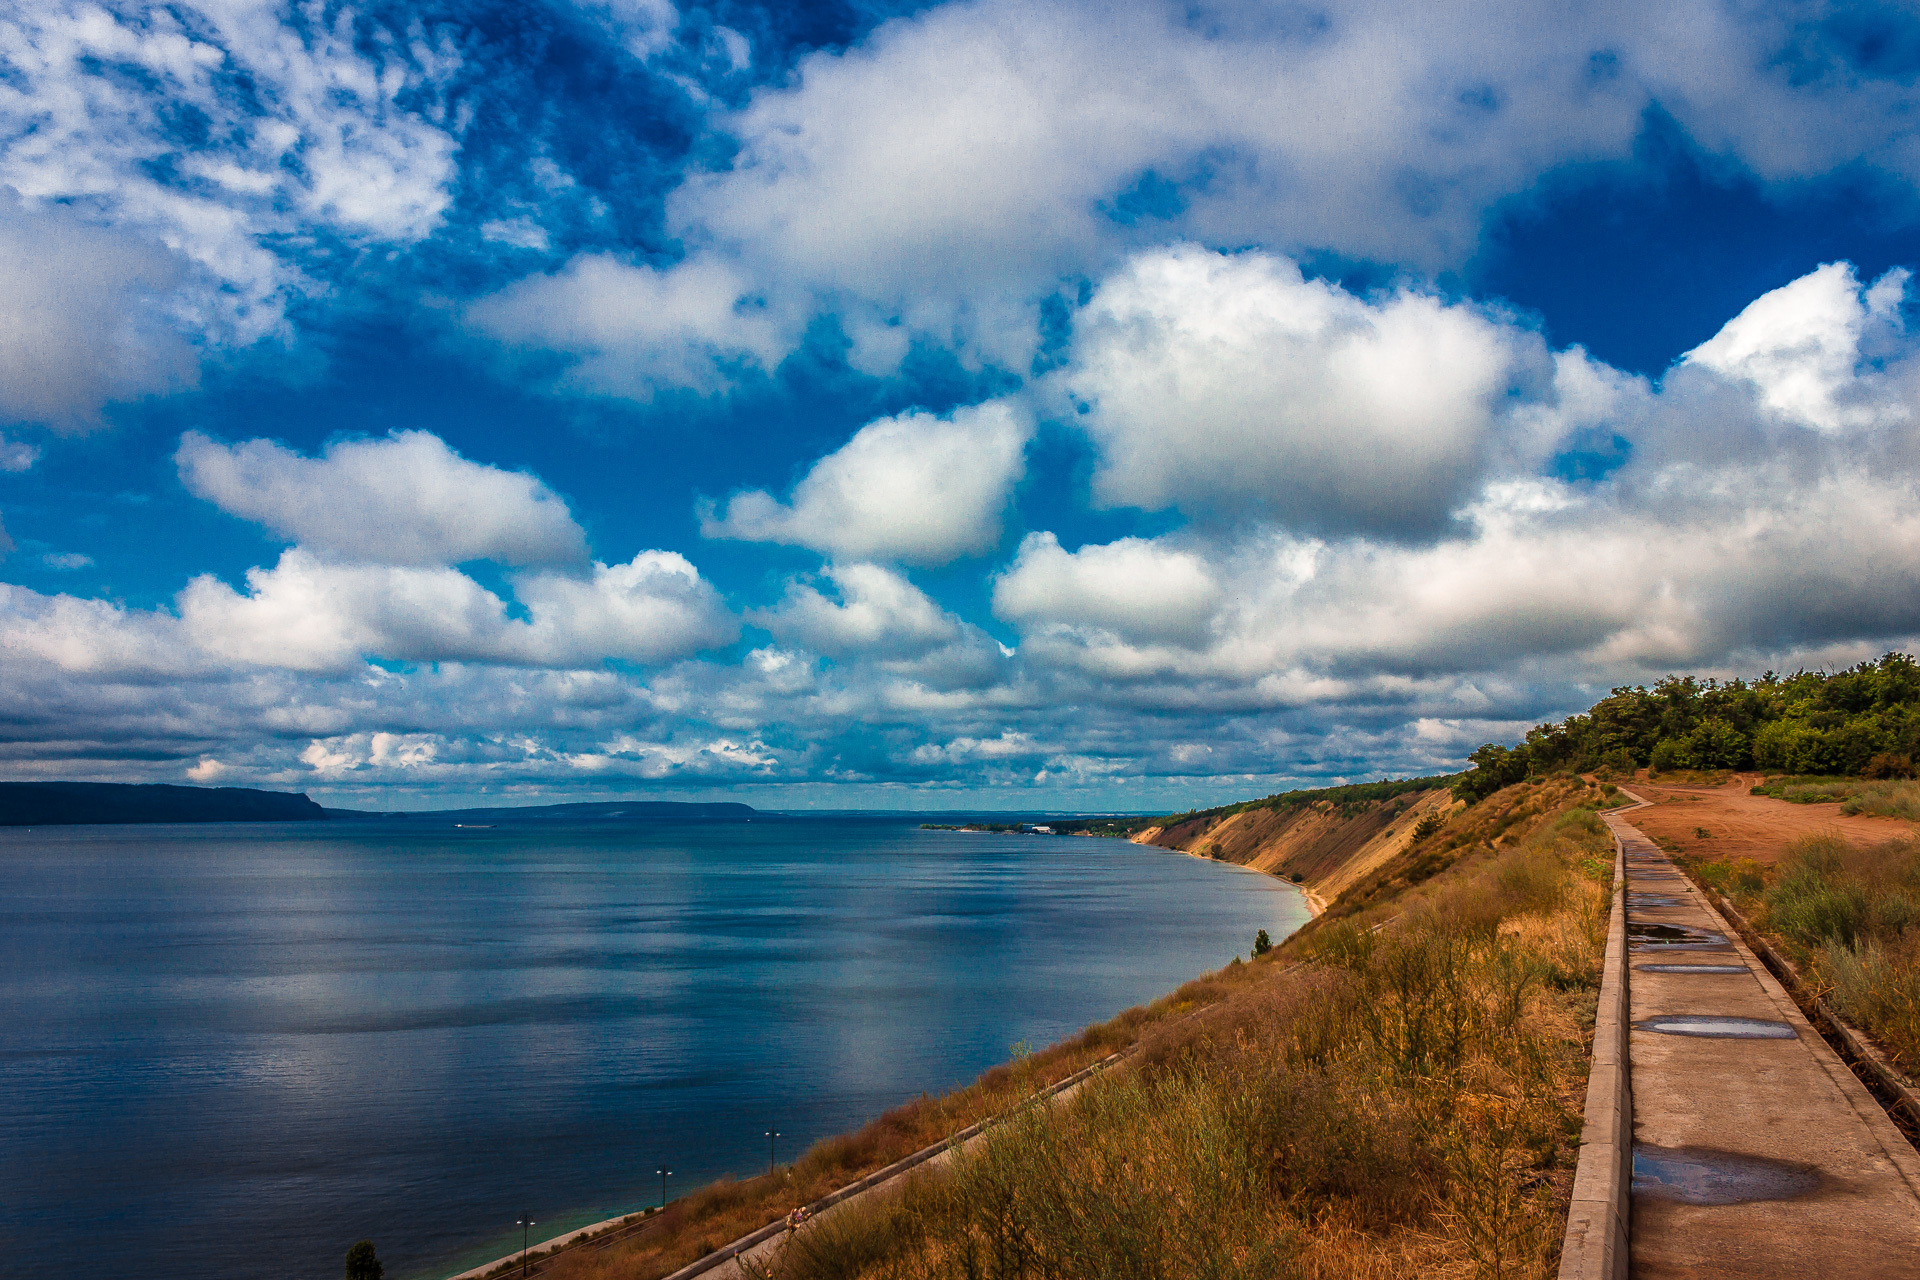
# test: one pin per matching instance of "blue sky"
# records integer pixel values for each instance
(991, 404)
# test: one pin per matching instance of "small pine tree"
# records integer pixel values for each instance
(1261, 944)
(362, 1264)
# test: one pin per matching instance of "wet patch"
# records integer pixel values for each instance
(1651, 900)
(1701, 1175)
(1691, 968)
(1645, 934)
(1716, 1027)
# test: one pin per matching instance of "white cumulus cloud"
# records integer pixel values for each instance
(1136, 588)
(936, 180)
(914, 488)
(82, 322)
(1229, 381)
(306, 119)
(1802, 346)
(404, 500)
(306, 614)
(632, 327)
(879, 613)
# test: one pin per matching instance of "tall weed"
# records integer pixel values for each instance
(1886, 800)
(1852, 915)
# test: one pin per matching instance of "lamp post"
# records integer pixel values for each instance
(771, 1135)
(664, 1173)
(525, 1224)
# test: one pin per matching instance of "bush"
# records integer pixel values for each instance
(1261, 944)
(362, 1264)
(1889, 765)
(1670, 754)
(1716, 744)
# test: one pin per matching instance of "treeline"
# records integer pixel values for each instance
(1349, 799)
(1861, 722)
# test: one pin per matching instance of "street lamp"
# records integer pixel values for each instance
(664, 1173)
(525, 1224)
(771, 1135)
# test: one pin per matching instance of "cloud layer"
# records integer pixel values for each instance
(1764, 514)
(938, 181)
(1176, 444)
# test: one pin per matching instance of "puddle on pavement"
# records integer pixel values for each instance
(1691, 968)
(1716, 1027)
(1701, 1175)
(1643, 934)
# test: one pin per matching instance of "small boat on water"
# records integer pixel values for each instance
(474, 826)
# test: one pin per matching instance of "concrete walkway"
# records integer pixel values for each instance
(1756, 1151)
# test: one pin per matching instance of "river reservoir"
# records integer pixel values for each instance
(231, 1051)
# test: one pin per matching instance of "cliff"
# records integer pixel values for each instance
(1329, 842)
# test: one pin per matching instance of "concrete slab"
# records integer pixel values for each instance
(1756, 1151)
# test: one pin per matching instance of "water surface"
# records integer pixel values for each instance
(231, 1051)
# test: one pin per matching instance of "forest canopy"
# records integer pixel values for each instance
(1861, 722)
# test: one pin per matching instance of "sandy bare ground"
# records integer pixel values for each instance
(1747, 826)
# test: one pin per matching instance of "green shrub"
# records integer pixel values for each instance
(362, 1264)
(1669, 754)
(1813, 913)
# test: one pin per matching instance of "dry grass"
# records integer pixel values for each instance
(1407, 1103)
(726, 1210)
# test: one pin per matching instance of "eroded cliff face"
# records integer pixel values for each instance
(1328, 845)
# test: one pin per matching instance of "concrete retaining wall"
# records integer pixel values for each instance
(1596, 1243)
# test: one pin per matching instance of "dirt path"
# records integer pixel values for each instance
(1740, 825)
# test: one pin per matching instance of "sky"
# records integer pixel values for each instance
(1113, 407)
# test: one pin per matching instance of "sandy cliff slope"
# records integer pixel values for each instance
(1328, 845)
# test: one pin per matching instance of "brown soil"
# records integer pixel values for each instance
(1740, 825)
(1326, 846)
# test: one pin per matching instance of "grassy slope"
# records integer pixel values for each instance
(1360, 1102)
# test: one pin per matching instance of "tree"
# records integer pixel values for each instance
(362, 1264)
(1494, 767)
(1261, 944)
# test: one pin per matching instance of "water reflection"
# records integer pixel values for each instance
(230, 1052)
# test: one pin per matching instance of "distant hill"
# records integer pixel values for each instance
(52, 804)
(565, 814)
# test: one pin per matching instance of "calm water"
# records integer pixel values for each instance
(233, 1051)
